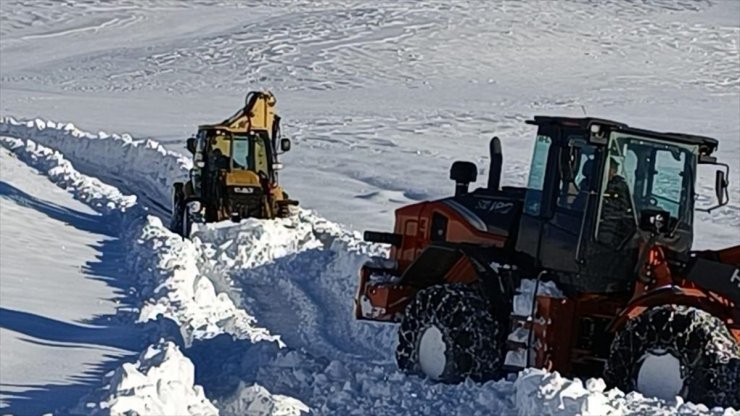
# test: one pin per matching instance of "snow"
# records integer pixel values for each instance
(327, 362)
(59, 296)
(432, 357)
(159, 383)
(379, 99)
(525, 294)
(549, 394)
(255, 400)
(169, 277)
(143, 167)
(660, 375)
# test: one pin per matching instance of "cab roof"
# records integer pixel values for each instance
(707, 145)
(224, 127)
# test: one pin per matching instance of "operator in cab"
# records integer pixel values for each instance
(617, 216)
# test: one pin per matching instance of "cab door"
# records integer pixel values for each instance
(538, 200)
(575, 187)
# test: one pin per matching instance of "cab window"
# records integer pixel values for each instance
(669, 169)
(645, 173)
(537, 171)
(260, 156)
(574, 194)
(240, 158)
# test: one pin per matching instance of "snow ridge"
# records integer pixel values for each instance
(103, 198)
(141, 167)
(167, 269)
(170, 285)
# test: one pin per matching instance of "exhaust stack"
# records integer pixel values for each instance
(497, 161)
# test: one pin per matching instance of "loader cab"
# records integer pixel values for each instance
(221, 149)
(590, 182)
(218, 152)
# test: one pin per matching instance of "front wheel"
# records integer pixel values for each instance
(178, 209)
(448, 333)
(677, 350)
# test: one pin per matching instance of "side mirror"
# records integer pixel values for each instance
(463, 173)
(655, 221)
(720, 187)
(190, 145)
(284, 145)
(721, 183)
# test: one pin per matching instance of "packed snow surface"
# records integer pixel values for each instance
(379, 98)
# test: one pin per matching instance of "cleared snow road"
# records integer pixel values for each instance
(57, 296)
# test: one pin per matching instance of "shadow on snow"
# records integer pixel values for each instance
(115, 332)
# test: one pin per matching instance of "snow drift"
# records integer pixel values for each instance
(140, 167)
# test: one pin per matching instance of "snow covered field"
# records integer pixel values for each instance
(379, 98)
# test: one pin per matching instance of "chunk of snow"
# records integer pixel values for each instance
(160, 382)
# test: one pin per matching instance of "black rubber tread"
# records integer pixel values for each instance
(709, 355)
(178, 210)
(474, 345)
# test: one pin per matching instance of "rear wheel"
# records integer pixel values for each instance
(676, 350)
(449, 334)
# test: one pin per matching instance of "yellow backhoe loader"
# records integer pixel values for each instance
(234, 172)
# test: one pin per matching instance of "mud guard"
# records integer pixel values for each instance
(443, 262)
(721, 278)
(669, 295)
(439, 263)
(729, 255)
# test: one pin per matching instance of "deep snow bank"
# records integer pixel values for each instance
(161, 382)
(168, 272)
(298, 277)
(101, 197)
(256, 400)
(140, 167)
(168, 283)
(163, 266)
(548, 394)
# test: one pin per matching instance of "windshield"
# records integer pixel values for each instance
(644, 173)
(240, 153)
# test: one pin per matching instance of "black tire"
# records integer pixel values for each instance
(471, 336)
(708, 354)
(178, 209)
